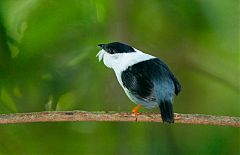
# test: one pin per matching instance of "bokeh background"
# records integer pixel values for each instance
(47, 62)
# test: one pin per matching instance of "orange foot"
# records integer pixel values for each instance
(135, 110)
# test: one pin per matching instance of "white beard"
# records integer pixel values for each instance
(121, 61)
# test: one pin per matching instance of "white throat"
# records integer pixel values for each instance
(121, 61)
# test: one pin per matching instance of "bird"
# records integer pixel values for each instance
(146, 79)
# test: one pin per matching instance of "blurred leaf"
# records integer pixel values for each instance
(49, 104)
(68, 101)
(7, 100)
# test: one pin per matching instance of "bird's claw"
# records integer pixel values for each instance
(135, 114)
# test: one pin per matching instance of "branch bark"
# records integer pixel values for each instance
(73, 116)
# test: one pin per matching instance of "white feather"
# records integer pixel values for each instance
(100, 55)
(119, 62)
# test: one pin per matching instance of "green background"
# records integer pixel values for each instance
(47, 57)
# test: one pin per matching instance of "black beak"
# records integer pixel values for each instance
(101, 45)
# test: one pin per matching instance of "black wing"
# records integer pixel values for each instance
(138, 79)
(175, 81)
(137, 82)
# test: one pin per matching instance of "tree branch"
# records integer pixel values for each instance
(72, 116)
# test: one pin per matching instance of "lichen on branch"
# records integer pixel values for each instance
(80, 116)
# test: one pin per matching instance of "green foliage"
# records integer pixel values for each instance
(7, 100)
(47, 62)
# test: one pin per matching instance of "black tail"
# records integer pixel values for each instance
(166, 108)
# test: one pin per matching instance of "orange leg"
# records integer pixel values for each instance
(135, 110)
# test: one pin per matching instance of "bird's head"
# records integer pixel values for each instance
(113, 53)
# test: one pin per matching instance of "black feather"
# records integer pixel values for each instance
(170, 74)
(139, 77)
(152, 81)
(166, 109)
(117, 47)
